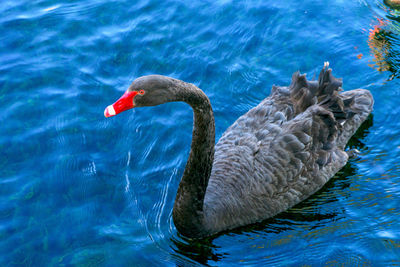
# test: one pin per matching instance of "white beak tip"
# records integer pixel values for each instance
(109, 111)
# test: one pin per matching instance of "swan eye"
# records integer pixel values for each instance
(141, 92)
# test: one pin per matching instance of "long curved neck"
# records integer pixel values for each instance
(188, 207)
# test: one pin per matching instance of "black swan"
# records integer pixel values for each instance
(273, 157)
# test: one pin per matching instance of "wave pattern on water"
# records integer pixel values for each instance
(79, 189)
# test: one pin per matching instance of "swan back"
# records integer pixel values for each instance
(282, 151)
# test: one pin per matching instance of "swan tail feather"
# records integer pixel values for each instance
(358, 105)
(324, 92)
(349, 108)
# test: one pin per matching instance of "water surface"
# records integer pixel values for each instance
(79, 189)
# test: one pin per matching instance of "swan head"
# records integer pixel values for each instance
(151, 90)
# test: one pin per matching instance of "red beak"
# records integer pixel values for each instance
(124, 103)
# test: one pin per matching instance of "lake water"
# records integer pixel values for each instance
(79, 189)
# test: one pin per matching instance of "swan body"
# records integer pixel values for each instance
(276, 155)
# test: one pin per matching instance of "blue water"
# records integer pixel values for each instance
(79, 189)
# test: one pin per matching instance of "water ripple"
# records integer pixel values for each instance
(78, 189)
